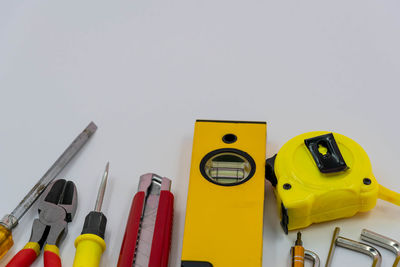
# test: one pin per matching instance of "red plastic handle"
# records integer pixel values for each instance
(161, 243)
(24, 258)
(51, 259)
(131, 232)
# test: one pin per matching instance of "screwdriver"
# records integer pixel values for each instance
(10, 221)
(298, 252)
(90, 245)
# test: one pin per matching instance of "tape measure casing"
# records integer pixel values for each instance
(306, 195)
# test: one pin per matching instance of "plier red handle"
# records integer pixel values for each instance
(57, 207)
(31, 251)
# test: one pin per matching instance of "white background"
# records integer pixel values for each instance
(145, 70)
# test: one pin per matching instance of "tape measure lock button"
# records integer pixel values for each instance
(326, 153)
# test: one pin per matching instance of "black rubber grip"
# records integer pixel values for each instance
(95, 223)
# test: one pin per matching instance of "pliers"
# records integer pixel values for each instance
(57, 207)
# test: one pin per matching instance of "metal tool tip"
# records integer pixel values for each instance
(92, 127)
(102, 189)
(299, 242)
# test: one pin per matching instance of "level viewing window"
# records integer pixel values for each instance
(227, 167)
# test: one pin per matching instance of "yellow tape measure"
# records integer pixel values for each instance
(322, 176)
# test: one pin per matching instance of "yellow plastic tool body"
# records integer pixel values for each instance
(314, 196)
(6, 241)
(224, 224)
(89, 248)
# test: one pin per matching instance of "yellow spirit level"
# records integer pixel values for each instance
(224, 214)
(322, 176)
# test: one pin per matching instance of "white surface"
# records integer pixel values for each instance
(145, 70)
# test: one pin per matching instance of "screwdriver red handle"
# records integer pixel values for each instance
(162, 231)
(26, 256)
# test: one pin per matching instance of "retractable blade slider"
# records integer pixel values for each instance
(9, 221)
(147, 236)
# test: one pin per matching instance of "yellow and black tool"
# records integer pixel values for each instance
(224, 215)
(322, 176)
(90, 245)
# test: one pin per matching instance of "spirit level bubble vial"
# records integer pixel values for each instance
(224, 214)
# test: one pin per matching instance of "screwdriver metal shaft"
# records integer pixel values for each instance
(102, 189)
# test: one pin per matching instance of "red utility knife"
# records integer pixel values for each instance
(147, 238)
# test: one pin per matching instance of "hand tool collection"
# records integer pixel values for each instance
(148, 232)
(316, 176)
(10, 221)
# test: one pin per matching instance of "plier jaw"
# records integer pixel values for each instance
(57, 207)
